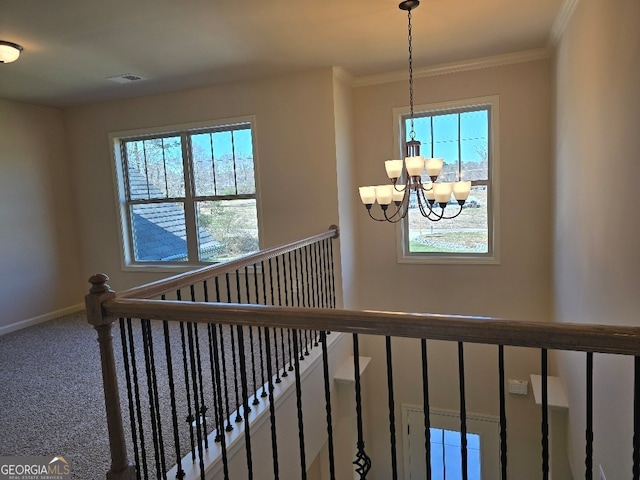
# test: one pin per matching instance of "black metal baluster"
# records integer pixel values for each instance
(426, 407)
(545, 418)
(190, 418)
(136, 389)
(332, 279)
(325, 268)
(299, 334)
(215, 389)
(271, 283)
(192, 362)
(245, 401)
(202, 411)
(132, 415)
(275, 356)
(290, 350)
(154, 403)
(272, 411)
(215, 386)
(172, 394)
(251, 339)
(297, 287)
(327, 399)
(589, 430)
(314, 274)
(362, 461)
(463, 413)
(234, 361)
(503, 413)
(303, 462)
(221, 435)
(223, 361)
(264, 298)
(278, 281)
(306, 299)
(636, 419)
(291, 280)
(282, 351)
(392, 411)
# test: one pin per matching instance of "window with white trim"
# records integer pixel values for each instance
(463, 134)
(187, 195)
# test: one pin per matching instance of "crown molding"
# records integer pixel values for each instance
(561, 22)
(446, 68)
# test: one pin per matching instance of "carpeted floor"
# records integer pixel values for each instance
(51, 400)
(51, 397)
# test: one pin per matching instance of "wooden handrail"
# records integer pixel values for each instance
(486, 330)
(175, 282)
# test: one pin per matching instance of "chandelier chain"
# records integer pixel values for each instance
(412, 133)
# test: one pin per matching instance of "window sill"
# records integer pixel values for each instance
(449, 260)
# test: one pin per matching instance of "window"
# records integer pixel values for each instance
(187, 195)
(464, 135)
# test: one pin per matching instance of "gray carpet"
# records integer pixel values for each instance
(51, 397)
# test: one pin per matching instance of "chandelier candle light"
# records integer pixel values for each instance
(427, 193)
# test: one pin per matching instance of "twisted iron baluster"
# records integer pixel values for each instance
(327, 399)
(426, 407)
(272, 411)
(172, 394)
(136, 389)
(503, 414)
(362, 461)
(223, 361)
(203, 407)
(463, 412)
(154, 404)
(545, 418)
(245, 402)
(132, 415)
(392, 410)
(234, 362)
(303, 463)
(192, 360)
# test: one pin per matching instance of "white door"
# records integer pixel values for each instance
(446, 461)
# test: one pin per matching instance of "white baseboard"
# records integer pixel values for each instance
(40, 319)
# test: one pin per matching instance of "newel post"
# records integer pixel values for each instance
(121, 467)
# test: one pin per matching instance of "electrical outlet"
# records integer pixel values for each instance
(518, 387)
(602, 477)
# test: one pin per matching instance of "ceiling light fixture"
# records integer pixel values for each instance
(9, 51)
(429, 192)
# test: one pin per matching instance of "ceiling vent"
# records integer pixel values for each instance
(126, 78)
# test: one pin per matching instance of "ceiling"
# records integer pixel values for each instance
(71, 47)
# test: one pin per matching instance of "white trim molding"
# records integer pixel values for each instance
(446, 68)
(40, 319)
(560, 24)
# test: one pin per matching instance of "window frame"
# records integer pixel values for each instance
(493, 183)
(190, 199)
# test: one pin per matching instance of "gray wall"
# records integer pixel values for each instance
(39, 266)
(596, 225)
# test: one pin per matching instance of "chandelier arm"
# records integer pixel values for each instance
(371, 215)
(391, 218)
(423, 211)
(453, 216)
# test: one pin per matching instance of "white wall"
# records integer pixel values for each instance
(518, 288)
(596, 258)
(39, 268)
(296, 155)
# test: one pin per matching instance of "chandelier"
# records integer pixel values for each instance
(430, 196)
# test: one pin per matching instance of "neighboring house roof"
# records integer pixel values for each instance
(159, 229)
